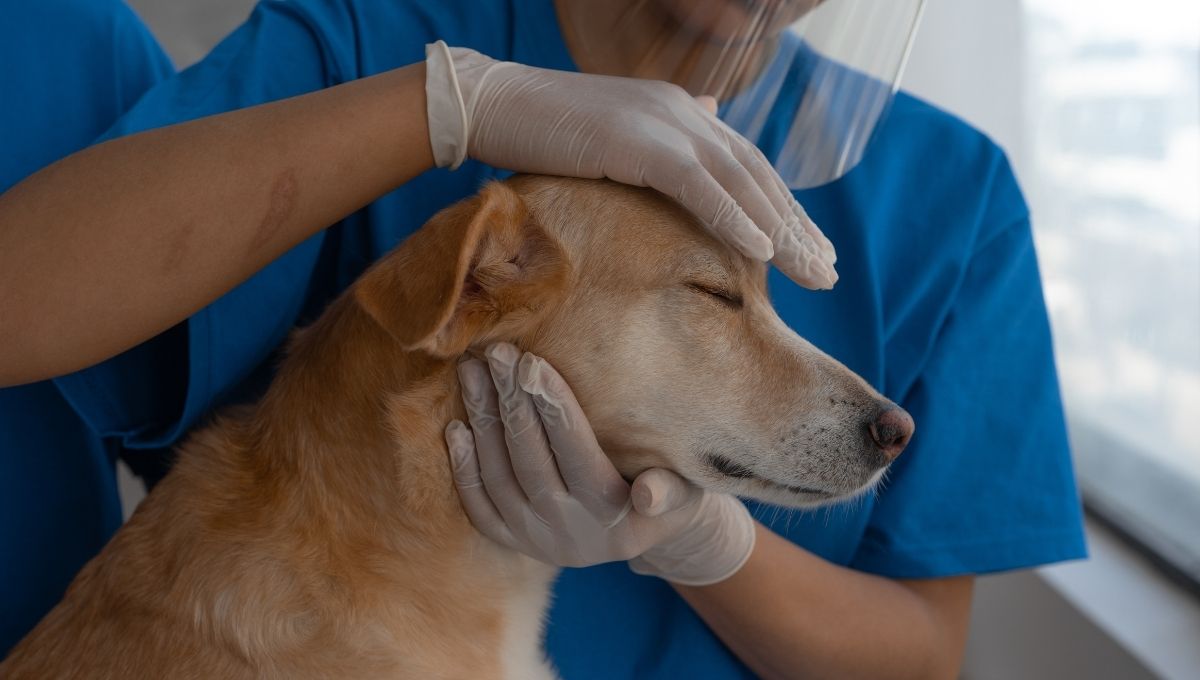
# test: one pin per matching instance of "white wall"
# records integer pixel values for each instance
(188, 29)
(969, 58)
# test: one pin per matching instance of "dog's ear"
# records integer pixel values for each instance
(471, 275)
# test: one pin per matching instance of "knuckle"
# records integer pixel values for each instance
(756, 163)
(484, 419)
(522, 428)
(496, 479)
(467, 479)
(733, 169)
(555, 384)
(690, 165)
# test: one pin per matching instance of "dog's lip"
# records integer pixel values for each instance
(794, 488)
(734, 470)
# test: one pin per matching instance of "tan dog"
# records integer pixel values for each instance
(319, 534)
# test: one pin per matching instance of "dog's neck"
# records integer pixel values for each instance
(356, 417)
(341, 473)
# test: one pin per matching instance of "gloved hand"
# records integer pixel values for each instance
(532, 477)
(640, 132)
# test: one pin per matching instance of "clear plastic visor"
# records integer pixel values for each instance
(808, 81)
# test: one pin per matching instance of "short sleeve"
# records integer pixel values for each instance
(149, 396)
(986, 483)
(68, 69)
(141, 62)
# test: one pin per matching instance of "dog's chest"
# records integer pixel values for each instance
(522, 654)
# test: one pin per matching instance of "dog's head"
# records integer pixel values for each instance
(666, 336)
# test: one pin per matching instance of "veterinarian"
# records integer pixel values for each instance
(210, 235)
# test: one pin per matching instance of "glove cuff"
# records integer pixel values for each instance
(444, 108)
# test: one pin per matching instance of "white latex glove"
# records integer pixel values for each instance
(532, 477)
(640, 132)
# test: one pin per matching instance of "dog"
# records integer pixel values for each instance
(318, 533)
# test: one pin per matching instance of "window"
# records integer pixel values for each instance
(1114, 104)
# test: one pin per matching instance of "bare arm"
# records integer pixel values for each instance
(790, 614)
(121, 241)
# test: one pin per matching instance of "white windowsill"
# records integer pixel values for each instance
(1126, 596)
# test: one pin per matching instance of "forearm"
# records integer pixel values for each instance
(790, 614)
(119, 242)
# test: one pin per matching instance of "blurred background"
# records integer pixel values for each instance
(1097, 103)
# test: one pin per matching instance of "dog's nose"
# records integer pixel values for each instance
(891, 430)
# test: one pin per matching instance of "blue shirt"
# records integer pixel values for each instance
(68, 69)
(939, 306)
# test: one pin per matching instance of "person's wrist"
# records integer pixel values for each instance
(712, 547)
(453, 79)
(411, 81)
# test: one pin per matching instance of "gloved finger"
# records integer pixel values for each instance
(464, 464)
(788, 203)
(749, 192)
(803, 263)
(483, 413)
(657, 492)
(696, 189)
(753, 182)
(785, 203)
(828, 252)
(797, 254)
(529, 450)
(803, 226)
(589, 474)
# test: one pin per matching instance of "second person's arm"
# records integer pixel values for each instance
(119, 242)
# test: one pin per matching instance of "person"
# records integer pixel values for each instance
(939, 307)
(71, 67)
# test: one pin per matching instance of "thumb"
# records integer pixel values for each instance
(709, 103)
(658, 492)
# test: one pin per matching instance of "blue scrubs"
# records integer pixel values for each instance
(68, 69)
(939, 306)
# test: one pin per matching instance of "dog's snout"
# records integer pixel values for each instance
(890, 430)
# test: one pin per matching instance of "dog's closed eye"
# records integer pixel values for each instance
(722, 294)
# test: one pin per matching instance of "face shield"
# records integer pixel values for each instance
(808, 81)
